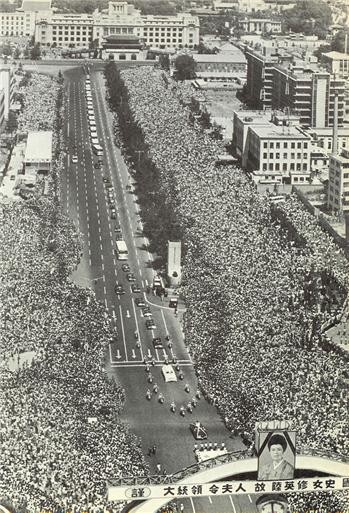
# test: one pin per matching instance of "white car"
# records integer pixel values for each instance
(74, 159)
(168, 373)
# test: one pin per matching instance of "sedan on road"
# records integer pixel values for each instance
(146, 312)
(113, 214)
(150, 324)
(97, 165)
(125, 268)
(106, 179)
(140, 302)
(135, 288)
(74, 159)
(131, 277)
(157, 343)
(119, 289)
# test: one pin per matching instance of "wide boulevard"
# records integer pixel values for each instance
(85, 200)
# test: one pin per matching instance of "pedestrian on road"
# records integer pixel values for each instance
(181, 507)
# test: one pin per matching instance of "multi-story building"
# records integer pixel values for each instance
(21, 23)
(272, 146)
(323, 138)
(260, 25)
(120, 19)
(66, 30)
(260, 72)
(7, 85)
(298, 86)
(337, 63)
(338, 186)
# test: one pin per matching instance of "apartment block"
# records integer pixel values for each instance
(338, 186)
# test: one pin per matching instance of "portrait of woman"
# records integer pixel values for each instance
(278, 467)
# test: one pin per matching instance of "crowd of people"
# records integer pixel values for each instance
(39, 98)
(61, 437)
(256, 298)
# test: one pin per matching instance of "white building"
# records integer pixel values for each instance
(21, 23)
(38, 153)
(7, 85)
(337, 63)
(338, 186)
(120, 19)
(260, 25)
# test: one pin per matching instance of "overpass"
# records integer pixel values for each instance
(225, 467)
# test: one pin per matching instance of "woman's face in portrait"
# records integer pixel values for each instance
(276, 452)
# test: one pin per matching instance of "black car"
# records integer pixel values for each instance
(106, 179)
(131, 277)
(135, 288)
(113, 214)
(150, 324)
(97, 165)
(125, 268)
(146, 312)
(119, 289)
(140, 301)
(198, 431)
(157, 343)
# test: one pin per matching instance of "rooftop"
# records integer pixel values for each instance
(226, 57)
(337, 56)
(39, 147)
(271, 131)
(36, 5)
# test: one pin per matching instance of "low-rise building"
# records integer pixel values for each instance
(260, 25)
(323, 138)
(232, 63)
(127, 48)
(38, 153)
(338, 185)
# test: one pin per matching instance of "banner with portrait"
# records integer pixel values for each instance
(276, 455)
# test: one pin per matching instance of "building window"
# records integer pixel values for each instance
(284, 166)
(285, 145)
(293, 145)
(122, 57)
(133, 57)
(285, 155)
(277, 155)
(299, 145)
(293, 156)
(265, 155)
(271, 155)
(271, 145)
(277, 166)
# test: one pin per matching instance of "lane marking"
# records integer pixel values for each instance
(232, 503)
(192, 504)
(123, 332)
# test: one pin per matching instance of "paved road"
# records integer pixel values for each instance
(84, 200)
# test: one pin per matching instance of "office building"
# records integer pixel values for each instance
(337, 63)
(280, 81)
(7, 85)
(338, 186)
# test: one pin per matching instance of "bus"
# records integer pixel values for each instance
(121, 250)
(97, 149)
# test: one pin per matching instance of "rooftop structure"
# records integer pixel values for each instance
(38, 152)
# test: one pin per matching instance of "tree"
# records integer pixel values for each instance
(164, 61)
(35, 52)
(309, 17)
(338, 42)
(185, 67)
(16, 53)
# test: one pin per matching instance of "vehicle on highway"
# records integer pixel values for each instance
(146, 312)
(113, 214)
(97, 149)
(106, 179)
(111, 202)
(98, 165)
(157, 343)
(198, 431)
(92, 125)
(94, 140)
(168, 373)
(119, 289)
(93, 135)
(90, 110)
(74, 159)
(121, 250)
(125, 268)
(131, 277)
(140, 301)
(150, 324)
(117, 229)
(136, 288)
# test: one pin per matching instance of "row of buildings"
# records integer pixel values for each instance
(36, 18)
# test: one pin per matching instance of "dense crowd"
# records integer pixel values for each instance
(39, 98)
(61, 437)
(256, 297)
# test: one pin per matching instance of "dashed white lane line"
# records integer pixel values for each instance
(192, 504)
